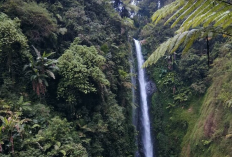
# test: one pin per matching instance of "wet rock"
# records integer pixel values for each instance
(150, 87)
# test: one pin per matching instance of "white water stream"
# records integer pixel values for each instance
(145, 120)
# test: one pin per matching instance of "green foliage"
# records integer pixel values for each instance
(7, 87)
(193, 67)
(182, 95)
(128, 22)
(14, 36)
(174, 105)
(147, 7)
(210, 133)
(99, 122)
(160, 32)
(167, 80)
(193, 70)
(57, 138)
(41, 69)
(37, 22)
(166, 10)
(224, 76)
(11, 125)
(21, 105)
(80, 68)
(198, 12)
(118, 126)
(13, 44)
(54, 138)
(76, 13)
(171, 84)
(94, 22)
(116, 116)
(170, 125)
(185, 40)
(105, 48)
(128, 5)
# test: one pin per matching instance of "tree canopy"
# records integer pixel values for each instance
(80, 68)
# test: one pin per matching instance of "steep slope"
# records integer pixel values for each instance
(211, 133)
(192, 107)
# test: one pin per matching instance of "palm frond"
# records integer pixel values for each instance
(185, 39)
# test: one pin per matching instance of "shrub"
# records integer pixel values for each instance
(80, 67)
(57, 139)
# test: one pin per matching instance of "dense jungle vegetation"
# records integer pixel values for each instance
(188, 45)
(65, 85)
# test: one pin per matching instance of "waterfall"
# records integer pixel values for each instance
(145, 120)
(159, 4)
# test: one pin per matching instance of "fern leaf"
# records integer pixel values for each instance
(181, 10)
(159, 52)
(200, 19)
(180, 40)
(186, 39)
(223, 18)
(198, 16)
(190, 6)
(192, 37)
(167, 10)
(215, 14)
(198, 10)
(197, 13)
(172, 42)
(227, 23)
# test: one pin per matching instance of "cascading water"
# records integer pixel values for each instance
(145, 120)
